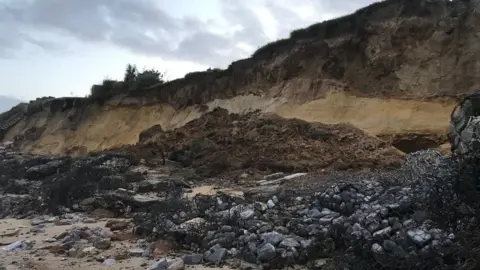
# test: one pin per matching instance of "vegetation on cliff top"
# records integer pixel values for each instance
(133, 80)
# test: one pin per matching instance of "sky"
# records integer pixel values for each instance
(63, 47)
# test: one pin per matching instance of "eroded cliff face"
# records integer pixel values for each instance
(393, 69)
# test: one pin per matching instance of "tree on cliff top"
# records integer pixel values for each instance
(133, 80)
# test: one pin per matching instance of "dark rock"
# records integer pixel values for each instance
(216, 255)
(273, 238)
(193, 259)
(266, 252)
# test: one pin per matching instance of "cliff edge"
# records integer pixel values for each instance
(393, 69)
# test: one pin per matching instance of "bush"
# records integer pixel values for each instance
(133, 80)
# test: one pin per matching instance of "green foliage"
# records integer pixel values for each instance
(130, 76)
(133, 80)
(148, 78)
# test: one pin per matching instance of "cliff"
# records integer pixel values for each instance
(393, 69)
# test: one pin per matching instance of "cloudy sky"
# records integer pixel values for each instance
(62, 47)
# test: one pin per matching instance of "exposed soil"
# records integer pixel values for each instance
(220, 142)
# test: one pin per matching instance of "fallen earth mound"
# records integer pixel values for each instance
(220, 142)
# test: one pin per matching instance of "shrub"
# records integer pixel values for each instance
(133, 80)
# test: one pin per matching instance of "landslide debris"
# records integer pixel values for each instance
(369, 218)
(219, 141)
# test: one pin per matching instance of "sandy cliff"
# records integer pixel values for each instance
(394, 69)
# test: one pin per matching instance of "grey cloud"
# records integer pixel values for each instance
(142, 27)
(287, 20)
(338, 7)
(237, 13)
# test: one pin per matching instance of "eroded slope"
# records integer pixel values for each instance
(395, 67)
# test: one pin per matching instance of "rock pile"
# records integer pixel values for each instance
(219, 142)
(369, 219)
(374, 218)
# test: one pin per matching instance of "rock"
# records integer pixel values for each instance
(63, 222)
(74, 253)
(176, 264)
(314, 213)
(50, 240)
(377, 249)
(116, 224)
(216, 255)
(274, 176)
(89, 250)
(121, 254)
(389, 245)
(36, 222)
(266, 252)
(289, 243)
(247, 214)
(160, 265)
(19, 245)
(270, 204)
(109, 262)
(419, 237)
(102, 244)
(136, 252)
(320, 263)
(89, 221)
(249, 266)
(260, 207)
(382, 234)
(193, 225)
(193, 259)
(273, 238)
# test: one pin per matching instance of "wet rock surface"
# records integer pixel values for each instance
(373, 216)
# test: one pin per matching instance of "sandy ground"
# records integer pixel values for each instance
(38, 258)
